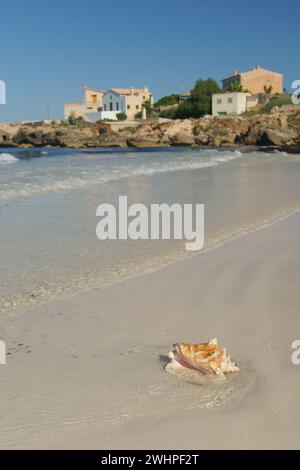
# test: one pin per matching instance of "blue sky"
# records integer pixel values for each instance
(50, 49)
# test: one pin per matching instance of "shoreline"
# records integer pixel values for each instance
(35, 303)
(242, 148)
(87, 372)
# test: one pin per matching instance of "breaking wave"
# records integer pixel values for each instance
(7, 158)
(52, 183)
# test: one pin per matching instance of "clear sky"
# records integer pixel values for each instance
(51, 48)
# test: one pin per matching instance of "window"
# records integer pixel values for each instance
(94, 99)
(110, 106)
(230, 100)
(105, 107)
(137, 106)
(128, 106)
(219, 101)
(117, 106)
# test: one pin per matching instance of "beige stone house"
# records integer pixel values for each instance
(124, 100)
(88, 108)
(256, 80)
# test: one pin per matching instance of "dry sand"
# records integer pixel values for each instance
(88, 372)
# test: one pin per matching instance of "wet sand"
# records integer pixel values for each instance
(88, 372)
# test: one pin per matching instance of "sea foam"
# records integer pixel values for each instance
(7, 158)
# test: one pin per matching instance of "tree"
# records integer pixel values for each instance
(167, 101)
(202, 95)
(238, 87)
(268, 91)
(201, 100)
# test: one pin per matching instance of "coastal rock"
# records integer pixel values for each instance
(207, 358)
(281, 127)
(55, 137)
(183, 138)
(28, 136)
(278, 137)
(172, 129)
(5, 138)
(143, 141)
(203, 138)
(112, 140)
(75, 138)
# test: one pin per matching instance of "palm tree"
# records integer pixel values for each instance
(268, 91)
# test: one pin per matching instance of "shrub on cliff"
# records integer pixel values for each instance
(276, 100)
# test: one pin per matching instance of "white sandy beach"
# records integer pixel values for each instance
(88, 372)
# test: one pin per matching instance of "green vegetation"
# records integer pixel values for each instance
(73, 121)
(268, 90)
(77, 122)
(167, 101)
(250, 113)
(151, 111)
(237, 87)
(121, 116)
(276, 100)
(169, 113)
(199, 104)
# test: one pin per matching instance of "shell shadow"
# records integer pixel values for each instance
(163, 359)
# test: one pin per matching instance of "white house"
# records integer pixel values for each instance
(224, 104)
(124, 100)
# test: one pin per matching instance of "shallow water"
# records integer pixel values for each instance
(48, 201)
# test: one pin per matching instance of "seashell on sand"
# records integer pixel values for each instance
(208, 359)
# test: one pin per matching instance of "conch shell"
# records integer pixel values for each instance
(207, 358)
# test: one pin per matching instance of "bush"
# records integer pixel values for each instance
(169, 113)
(75, 121)
(276, 100)
(121, 116)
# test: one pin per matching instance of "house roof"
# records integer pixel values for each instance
(127, 91)
(237, 74)
(97, 90)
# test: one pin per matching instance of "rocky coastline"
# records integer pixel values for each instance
(279, 128)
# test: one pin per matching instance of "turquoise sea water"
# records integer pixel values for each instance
(48, 201)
